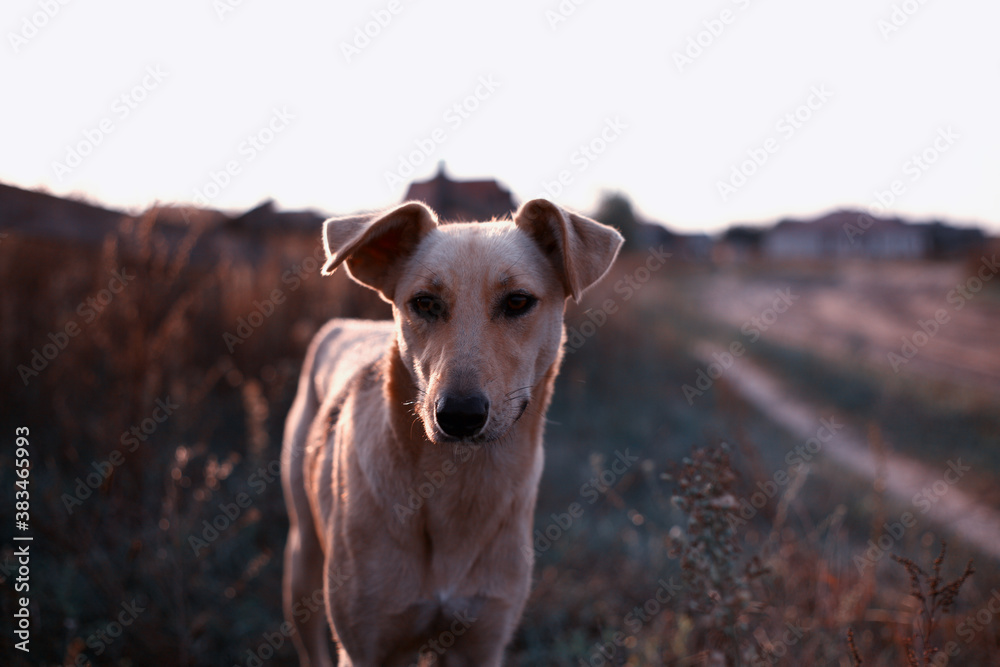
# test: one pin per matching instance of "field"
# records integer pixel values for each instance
(721, 524)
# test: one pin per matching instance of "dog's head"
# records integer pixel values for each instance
(478, 306)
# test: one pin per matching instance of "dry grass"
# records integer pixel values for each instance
(780, 588)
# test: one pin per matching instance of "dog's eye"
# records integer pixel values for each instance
(427, 306)
(518, 304)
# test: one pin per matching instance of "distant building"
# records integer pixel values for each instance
(686, 247)
(694, 247)
(947, 242)
(646, 234)
(265, 218)
(738, 244)
(845, 234)
(462, 200)
(42, 215)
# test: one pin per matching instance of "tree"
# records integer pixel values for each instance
(615, 209)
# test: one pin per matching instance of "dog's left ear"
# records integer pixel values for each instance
(581, 249)
(373, 247)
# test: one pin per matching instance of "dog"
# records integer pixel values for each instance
(413, 450)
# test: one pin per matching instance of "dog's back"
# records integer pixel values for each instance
(338, 354)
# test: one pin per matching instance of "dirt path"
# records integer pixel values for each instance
(904, 478)
(867, 311)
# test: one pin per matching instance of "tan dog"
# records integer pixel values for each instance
(413, 450)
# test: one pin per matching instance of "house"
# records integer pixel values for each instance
(845, 234)
(266, 219)
(462, 200)
(738, 245)
(41, 215)
(948, 242)
(643, 235)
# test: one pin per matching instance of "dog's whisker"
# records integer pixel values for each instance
(413, 423)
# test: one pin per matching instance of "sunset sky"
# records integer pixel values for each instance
(704, 114)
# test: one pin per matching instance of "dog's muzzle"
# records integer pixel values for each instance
(463, 416)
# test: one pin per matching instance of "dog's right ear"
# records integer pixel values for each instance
(372, 247)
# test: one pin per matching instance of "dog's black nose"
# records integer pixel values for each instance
(463, 416)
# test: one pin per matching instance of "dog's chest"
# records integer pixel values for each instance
(446, 612)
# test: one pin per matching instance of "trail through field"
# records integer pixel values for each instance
(881, 313)
(942, 499)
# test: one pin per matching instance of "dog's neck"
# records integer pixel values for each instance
(452, 497)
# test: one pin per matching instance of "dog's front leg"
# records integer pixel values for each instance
(482, 642)
(485, 657)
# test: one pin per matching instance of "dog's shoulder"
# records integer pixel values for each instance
(342, 347)
(345, 357)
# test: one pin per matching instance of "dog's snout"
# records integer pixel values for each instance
(462, 416)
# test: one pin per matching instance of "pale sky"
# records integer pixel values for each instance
(304, 111)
